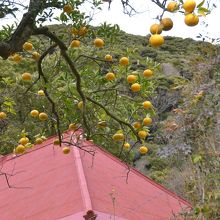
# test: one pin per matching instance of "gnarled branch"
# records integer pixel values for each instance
(63, 48)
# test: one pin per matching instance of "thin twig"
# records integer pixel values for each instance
(113, 116)
(92, 152)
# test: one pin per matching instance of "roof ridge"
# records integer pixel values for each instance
(82, 180)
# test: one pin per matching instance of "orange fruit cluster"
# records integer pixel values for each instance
(166, 24)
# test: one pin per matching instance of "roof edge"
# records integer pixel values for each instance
(173, 194)
(11, 156)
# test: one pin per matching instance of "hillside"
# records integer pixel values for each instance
(185, 135)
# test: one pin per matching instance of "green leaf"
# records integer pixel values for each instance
(103, 116)
(63, 17)
(196, 158)
(133, 137)
(201, 9)
(24, 133)
(200, 4)
(7, 80)
(205, 209)
(197, 210)
(8, 103)
(119, 131)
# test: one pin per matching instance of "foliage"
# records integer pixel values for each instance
(63, 92)
(192, 142)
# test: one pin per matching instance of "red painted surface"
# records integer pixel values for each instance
(46, 185)
(82, 180)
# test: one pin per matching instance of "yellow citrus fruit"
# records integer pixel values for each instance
(17, 58)
(23, 141)
(191, 19)
(75, 31)
(34, 113)
(38, 141)
(56, 142)
(20, 149)
(142, 134)
(124, 61)
(75, 43)
(137, 125)
(147, 121)
(189, 6)
(27, 46)
(143, 150)
(156, 40)
(82, 31)
(110, 76)
(26, 76)
(36, 56)
(68, 8)
(172, 6)
(118, 137)
(166, 24)
(43, 137)
(136, 87)
(66, 150)
(99, 42)
(126, 146)
(43, 116)
(41, 93)
(3, 115)
(147, 105)
(148, 73)
(131, 78)
(108, 57)
(73, 126)
(80, 105)
(156, 29)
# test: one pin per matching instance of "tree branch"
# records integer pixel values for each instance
(63, 48)
(45, 88)
(113, 116)
(25, 28)
(23, 31)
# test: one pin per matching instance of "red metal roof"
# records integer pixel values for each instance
(46, 185)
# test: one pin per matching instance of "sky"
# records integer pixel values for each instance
(140, 23)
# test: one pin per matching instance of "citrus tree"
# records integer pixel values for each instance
(61, 85)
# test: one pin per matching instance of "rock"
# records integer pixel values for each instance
(169, 69)
(166, 100)
(186, 74)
